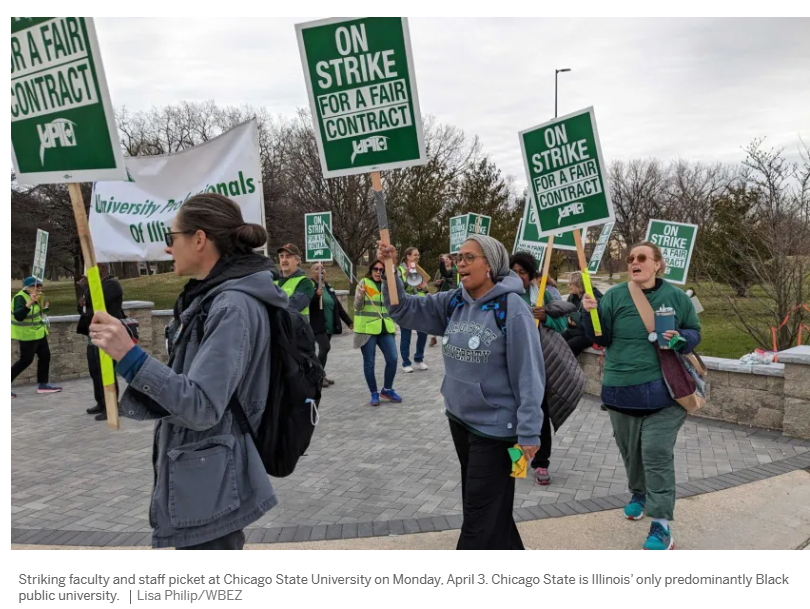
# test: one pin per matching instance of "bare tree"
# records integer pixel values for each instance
(637, 189)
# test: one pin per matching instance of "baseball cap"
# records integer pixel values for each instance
(290, 248)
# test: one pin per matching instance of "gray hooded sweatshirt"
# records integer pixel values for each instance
(209, 478)
(493, 384)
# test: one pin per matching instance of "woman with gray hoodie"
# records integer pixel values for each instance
(493, 385)
(209, 481)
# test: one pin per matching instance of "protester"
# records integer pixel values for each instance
(645, 418)
(29, 326)
(493, 384)
(325, 315)
(525, 266)
(553, 317)
(412, 257)
(448, 279)
(574, 334)
(373, 328)
(114, 303)
(551, 288)
(298, 287)
(210, 482)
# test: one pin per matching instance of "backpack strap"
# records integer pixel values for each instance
(497, 306)
(456, 301)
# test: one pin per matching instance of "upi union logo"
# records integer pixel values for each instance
(60, 133)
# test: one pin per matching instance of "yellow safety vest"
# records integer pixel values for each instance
(370, 319)
(289, 289)
(403, 274)
(33, 327)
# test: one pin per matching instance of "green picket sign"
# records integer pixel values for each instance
(341, 257)
(478, 224)
(599, 250)
(62, 122)
(531, 232)
(461, 227)
(566, 173)
(676, 241)
(317, 246)
(362, 92)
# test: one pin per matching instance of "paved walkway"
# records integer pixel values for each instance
(369, 472)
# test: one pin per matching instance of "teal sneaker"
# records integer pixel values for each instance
(390, 394)
(659, 538)
(375, 399)
(635, 509)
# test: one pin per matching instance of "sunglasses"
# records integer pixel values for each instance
(631, 258)
(378, 269)
(169, 236)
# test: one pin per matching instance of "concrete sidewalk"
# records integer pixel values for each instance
(771, 514)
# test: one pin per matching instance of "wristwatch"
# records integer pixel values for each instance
(652, 337)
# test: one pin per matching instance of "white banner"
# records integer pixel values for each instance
(128, 219)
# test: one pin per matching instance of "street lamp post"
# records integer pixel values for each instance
(555, 87)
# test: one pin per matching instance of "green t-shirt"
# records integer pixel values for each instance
(631, 359)
(329, 311)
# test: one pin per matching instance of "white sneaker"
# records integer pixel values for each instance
(407, 368)
(422, 365)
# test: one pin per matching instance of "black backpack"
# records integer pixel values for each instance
(497, 306)
(296, 379)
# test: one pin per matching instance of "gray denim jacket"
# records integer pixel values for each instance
(209, 478)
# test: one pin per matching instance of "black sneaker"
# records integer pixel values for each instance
(101, 417)
(95, 410)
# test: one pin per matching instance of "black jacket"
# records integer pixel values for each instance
(113, 301)
(317, 316)
(576, 316)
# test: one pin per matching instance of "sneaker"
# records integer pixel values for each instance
(390, 394)
(433, 341)
(635, 509)
(327, 380)
(421, 365)
(541, 476)
(102, 416)
(95, 410)
(375, 399)
(48, 388)
(407, 368)
(14, 395)
(659, 538)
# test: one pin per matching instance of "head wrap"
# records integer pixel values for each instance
(495, 253)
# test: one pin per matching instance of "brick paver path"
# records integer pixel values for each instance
(392, 463)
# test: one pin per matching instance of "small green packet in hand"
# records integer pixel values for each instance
(519, 463)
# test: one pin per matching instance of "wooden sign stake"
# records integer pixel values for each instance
(544, 280)
(382, 220)
(586, 281)
(97, 298)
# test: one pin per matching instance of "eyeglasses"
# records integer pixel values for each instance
(378, 269)
(631, 258)
(470, 258)
(169, 235)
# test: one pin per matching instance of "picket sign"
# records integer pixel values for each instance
(544, 280)
(385, 237)
(586, 282)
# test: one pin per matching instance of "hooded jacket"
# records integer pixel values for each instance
(493, 383)
(209, 478)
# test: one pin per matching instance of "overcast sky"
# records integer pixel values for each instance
(697, 89)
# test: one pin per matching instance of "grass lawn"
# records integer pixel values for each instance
(720, 337)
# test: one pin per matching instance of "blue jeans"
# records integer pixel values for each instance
(405, 346)
(388, 346)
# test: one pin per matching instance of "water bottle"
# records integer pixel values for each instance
(664, 321)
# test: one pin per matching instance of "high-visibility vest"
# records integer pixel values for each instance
(33, 327)
(403, 274)
(289, 289)
(370, 319)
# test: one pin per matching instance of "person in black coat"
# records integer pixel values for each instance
(114, 303)
(325, 313)
(574, 335)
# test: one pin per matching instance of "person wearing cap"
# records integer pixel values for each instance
(29, 326)
(299, 288)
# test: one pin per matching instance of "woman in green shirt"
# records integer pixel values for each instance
(645, 418)
(325, 313)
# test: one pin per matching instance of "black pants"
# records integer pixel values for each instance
(231, 541)
(94, 367)
(576, 342)
(542, 456)
(324, 345)
(28, 349)
(487, 492)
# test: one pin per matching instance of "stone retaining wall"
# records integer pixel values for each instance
(774, 396)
